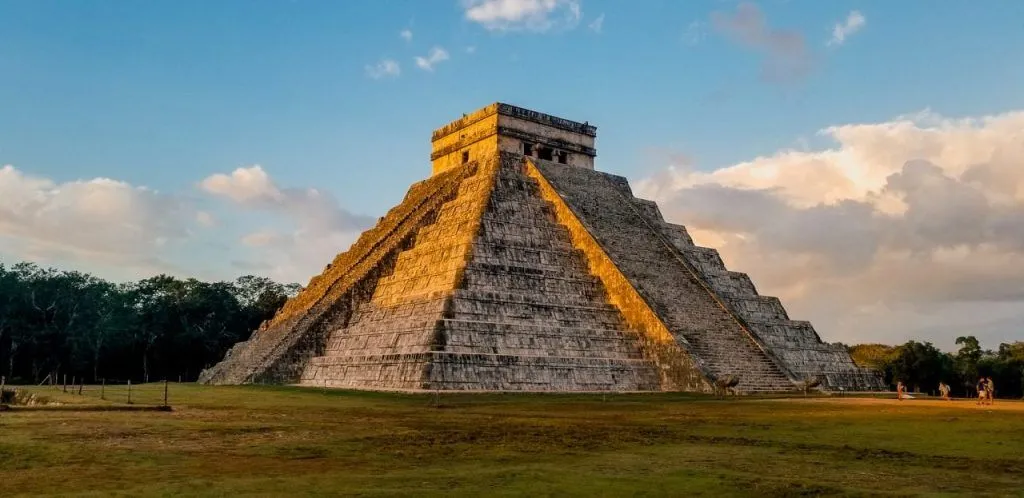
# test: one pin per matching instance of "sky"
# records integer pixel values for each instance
(860, 160)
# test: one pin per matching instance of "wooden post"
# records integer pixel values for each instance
(129, 391)
(103, 388)
(3, 383)
(65, 382)
(165, 392)
(80, 385)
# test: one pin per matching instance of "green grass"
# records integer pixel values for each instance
(228, 441)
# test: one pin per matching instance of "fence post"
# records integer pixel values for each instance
(3, 383)
(65, 382)
(81, 382)
(129, 391)
(103, 388)
(165, 392)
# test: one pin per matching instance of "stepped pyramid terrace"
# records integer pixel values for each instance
(517, 266)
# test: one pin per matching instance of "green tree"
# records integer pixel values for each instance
(967, 358)
(921, 366)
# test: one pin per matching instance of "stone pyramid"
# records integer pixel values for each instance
(518, 267)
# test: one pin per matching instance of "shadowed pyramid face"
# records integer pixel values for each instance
(518, 267)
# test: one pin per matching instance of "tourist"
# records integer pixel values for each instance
(900, 389)
(990, 390)
(982, 391)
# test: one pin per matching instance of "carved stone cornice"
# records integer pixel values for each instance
(556, 143)
(547, 120)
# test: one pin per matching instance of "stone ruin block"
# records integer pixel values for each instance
(518, 267)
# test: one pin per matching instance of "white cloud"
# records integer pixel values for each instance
(524, 15)
(88, 222)
(471, 50)
(854, 22)
(205, 219)
(318, 227)
(406, 34)
(786, 57)
(261, 238)
(894, 233)
(436, 55)
(120, 231)
(384, 68)
(695, 33)
(597, 24)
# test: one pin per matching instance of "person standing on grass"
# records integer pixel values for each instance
(900, 389)
(944, 390)
(982, 391)
(990, 390)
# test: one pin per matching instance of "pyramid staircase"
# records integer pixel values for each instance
(511, 274)
(516, 308)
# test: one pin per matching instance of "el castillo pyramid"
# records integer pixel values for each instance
(518, 267)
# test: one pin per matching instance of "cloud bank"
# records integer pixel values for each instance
(907, 228)
(100, 220)
(317, 227)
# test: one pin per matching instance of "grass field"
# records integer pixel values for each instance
(228, 441)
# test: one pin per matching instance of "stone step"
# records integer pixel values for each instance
(504, 254)
(534, 229)
(504, 338)
(561, 315)
(366, 340)
(483, 372)
(417, 310)
(478, 278)
(565, 300)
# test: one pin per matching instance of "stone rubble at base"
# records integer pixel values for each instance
(507, 272)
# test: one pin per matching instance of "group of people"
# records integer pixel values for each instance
(986, 391)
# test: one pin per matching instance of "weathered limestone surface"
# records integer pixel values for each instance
(795, 345)
(509, 306)
(688, 309)
(504, 271)
(279, 350)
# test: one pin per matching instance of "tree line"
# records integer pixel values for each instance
(921, 366)
(55, 321)
(68, 322)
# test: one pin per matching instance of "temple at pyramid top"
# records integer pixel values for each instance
(516, 266)
(508, 128)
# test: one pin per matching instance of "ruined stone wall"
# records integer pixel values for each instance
(794, 344)
(385, 344)
(688, 310)
(528, 315)
(514, 131)
(490, 296)
(503, 127)
(679, 369)
(278, 350)
(477, 136)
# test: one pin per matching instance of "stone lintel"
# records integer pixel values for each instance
(514, 133)
(515, 112)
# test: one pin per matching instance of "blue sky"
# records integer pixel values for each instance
(164, 95)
